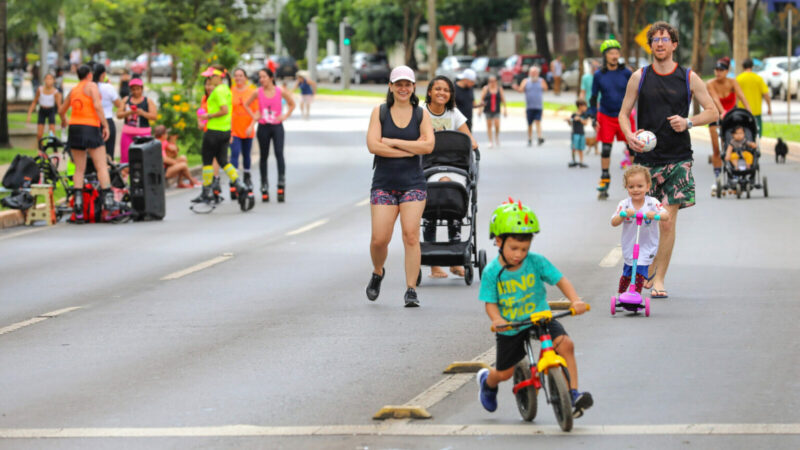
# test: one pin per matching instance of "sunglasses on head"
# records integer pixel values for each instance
(665, 39)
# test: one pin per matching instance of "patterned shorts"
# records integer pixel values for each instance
(673, 184)
(395, 197)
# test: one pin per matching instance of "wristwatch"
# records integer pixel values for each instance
(688, 123)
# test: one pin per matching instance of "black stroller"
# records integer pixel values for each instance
(740, 179)
(452, 203)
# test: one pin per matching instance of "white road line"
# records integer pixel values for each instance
(364, 202)
(198, 267)
(37, 319)
(612, 258)
(449, 384)
(308, 227)
(22, 233)
(403, 428)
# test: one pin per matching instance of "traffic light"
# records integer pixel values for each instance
(348, 33)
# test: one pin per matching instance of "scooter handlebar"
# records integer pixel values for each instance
(639, 214)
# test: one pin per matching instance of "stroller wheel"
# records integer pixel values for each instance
(719, 189)
(468, 275)
(748, 188)
(481, 262)
(738, 191)
(764, 185)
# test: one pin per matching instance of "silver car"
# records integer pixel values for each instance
(453, 65)
(330, 68)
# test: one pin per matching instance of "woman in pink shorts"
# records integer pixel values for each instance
(136, 113)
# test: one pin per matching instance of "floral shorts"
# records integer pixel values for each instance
(673, 184)
(395, 197)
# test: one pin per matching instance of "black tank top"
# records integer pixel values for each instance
(662, 96)
(137, 120)
(491, 102)
(401, 174)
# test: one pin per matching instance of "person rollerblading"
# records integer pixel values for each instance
(281, 190)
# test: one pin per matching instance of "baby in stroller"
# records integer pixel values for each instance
(738, 152)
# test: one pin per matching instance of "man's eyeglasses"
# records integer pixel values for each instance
(665, 39)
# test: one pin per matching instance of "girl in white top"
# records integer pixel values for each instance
(109, 98)
(48, 99)
(637, 181)
(440, 102)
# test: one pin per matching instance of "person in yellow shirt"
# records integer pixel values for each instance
(754, 88)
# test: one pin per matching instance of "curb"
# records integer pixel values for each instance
(11, 218)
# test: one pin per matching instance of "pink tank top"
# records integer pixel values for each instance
(270, 107)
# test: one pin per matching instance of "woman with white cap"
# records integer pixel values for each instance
(399, 133)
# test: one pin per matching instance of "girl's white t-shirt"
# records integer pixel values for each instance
(449, 120)
(648, 237)
(108, 95)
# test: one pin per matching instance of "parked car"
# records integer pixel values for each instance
(774, 73)
(285, 66)
(516, 68)
(453, 65)
(117, 66)
(485, 66)
(330, 68)
(790, 87)
(252, 63)
(370, 67)
(161, 65)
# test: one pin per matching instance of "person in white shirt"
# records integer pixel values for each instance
(109, 98)
(558, 69)
(441, 105)
(638, 183)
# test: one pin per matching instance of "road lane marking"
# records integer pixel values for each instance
(404, 428)
(612, 258)
(308, 227)
(198, 267)
(37, 319)
(24, 232)
(364, 202)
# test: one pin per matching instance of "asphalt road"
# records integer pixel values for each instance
(272, 343)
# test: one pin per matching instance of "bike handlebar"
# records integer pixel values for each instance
(639, 214)
(522, 323)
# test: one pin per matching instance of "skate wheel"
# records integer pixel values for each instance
(647, 306)
(613, 305)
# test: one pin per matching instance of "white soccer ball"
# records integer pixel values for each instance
(648, 139)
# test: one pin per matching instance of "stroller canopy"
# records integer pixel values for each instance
(452, 148)
(739, 117)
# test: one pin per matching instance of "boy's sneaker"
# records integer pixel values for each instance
(411, 298)
(581, 401)
(487, 396)
(374, 286)
(540, 141)
(530, 143)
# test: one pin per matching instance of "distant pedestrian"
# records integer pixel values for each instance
(557, 67)
(465, 94)
(492, 99)
(59, 81)
(48, 99)
(578, 120)
(308, 88)
(534, 88)
(35, 77)
(75, 59)
(124, 84)
(17, 76)
(399, 133)
(754, 89)
(586, 81)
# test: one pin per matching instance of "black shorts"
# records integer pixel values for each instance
(511, 349)
(84, 137)
(533, 115)
(47, 114)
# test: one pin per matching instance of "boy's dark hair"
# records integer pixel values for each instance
(580, 102)
(662, 26)
(747, 64)
(524, 237)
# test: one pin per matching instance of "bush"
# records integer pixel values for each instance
(178, 111)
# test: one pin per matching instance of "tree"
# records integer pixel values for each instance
(413, 12)
(539, 23)
(582, 9)
(378, 22)
(4, 138)
(725, 10)
(482, 17)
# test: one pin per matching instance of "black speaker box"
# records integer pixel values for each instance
(147, 179)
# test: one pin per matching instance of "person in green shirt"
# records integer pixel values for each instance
(754, 89)
(217, 138)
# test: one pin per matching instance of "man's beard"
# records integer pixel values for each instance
(665, 58)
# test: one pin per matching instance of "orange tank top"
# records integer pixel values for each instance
(83, 112)
(240, 119)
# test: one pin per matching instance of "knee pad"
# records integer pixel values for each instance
(605, 151)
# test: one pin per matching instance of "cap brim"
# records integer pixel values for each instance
(403, 77)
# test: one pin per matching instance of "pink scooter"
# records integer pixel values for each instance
(632, 300)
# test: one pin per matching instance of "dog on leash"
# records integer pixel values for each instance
(781, 150)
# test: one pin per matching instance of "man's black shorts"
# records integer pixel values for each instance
(511, 349)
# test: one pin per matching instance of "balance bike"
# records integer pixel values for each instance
(548, 371)
(632, 300)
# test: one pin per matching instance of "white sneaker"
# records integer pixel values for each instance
(714, 189)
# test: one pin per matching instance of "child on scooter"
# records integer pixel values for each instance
(637, 181)
(512, 288)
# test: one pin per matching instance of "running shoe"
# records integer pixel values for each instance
(581, 401)
(411, 298)
(374, 286)
(486, 395)
(714, 189)
(541, 141)
(530, 143)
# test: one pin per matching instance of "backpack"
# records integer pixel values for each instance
(22, 172)
(383, 113)
(92, 205)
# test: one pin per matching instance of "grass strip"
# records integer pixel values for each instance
(784, 131)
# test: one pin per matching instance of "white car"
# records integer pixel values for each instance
(330, 68)
(774, 74)
(569, 80)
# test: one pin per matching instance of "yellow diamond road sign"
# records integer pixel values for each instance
(641, 39)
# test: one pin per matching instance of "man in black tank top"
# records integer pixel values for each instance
(664, 92)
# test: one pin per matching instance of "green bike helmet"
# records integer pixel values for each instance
(609, 44)
(513, 218)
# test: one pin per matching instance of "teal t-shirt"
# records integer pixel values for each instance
(520, 293)
(586, 86)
